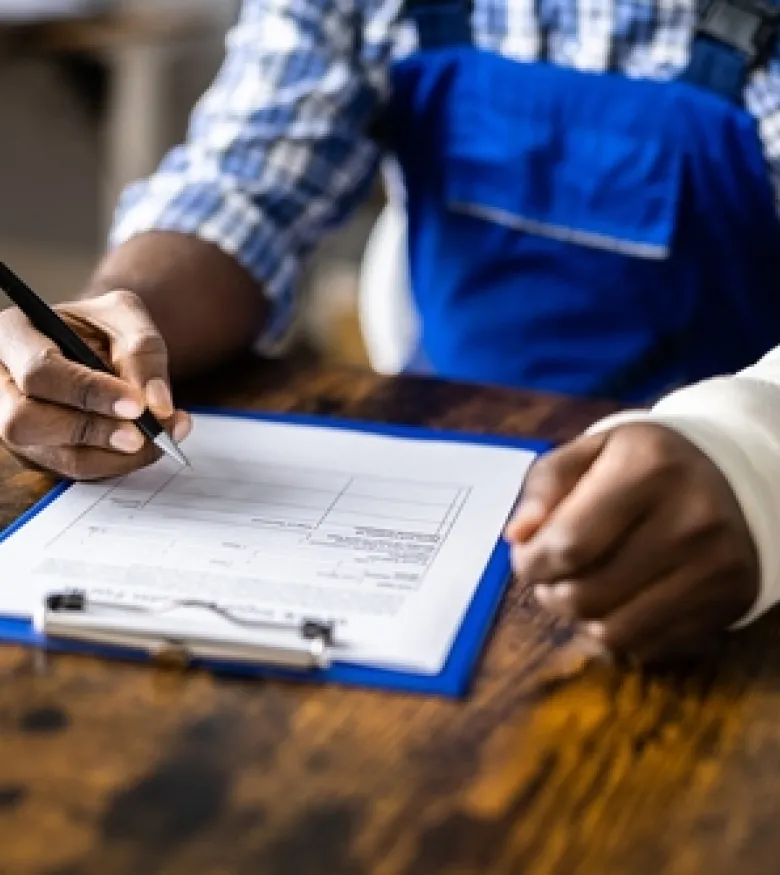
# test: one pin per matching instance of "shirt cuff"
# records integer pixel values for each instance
(221, 214)
(735, 421)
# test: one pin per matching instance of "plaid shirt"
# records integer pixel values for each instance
(277, 149)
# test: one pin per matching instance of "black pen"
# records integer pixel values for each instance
(45, 320)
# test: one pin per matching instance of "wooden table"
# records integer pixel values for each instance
(553, 765)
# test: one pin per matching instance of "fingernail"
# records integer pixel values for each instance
(159, 397)
(182, 429)
(562, 591)
(127, 440)
(542, 594)
(527, 520)
(128, 408)
(595, 630)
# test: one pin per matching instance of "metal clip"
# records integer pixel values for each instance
(72, 615)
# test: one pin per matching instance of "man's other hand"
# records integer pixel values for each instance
(637, 534)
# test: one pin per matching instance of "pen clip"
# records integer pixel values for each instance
(71, 615)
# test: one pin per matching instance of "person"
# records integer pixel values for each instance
(590, 209)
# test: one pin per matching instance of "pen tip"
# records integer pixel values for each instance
(166, 444)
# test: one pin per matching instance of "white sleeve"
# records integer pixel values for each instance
(736, 422)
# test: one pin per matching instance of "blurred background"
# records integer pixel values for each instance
(93, 92)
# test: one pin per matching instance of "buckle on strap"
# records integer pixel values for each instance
(749, 26)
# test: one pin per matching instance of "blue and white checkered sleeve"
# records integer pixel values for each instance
(277, 149)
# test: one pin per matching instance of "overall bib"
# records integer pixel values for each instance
(589, 234)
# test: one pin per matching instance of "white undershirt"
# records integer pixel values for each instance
(736, 421)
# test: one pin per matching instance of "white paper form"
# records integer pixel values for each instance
(387, 536)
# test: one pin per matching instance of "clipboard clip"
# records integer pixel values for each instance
(74, 616)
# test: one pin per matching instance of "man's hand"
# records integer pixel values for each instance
(76, 422)
(636, 533)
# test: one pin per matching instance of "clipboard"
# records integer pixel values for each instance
(452, 681)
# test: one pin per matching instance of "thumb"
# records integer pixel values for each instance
(551, 478)
(137, 349)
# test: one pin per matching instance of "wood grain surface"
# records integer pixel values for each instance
(555, 764)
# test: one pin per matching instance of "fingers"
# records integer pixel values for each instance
(27, 422)
(40, 371)
(42, 425)
(657, 605)
(594, 519)
(649, 625)
(86, 463)
(548, 482)
(637, 471)
(77, 445)
(137, 350)
(598, 592)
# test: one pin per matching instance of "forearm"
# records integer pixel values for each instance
(204, 303)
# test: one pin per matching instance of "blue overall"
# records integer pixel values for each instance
(581, 233)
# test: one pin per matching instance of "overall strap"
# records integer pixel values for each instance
(732, 38)
(440, 23)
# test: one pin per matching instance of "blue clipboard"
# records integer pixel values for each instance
(454, 678)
